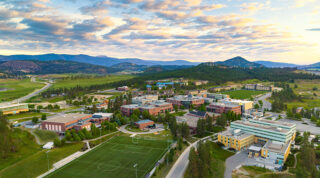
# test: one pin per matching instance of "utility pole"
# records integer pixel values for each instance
(136, 166)
(48, 159)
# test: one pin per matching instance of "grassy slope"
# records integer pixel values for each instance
(243, 94)
(45, 135)
(27, 146)
(305, 89)
(115, 158)
(37, 164)
(17, 88)
(68, 83)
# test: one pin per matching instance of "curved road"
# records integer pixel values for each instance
(34, 93)
(266, 104)
(124, 130)
(180, 166)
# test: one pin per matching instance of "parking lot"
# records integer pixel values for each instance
(308, 126)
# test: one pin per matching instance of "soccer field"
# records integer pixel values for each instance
(116, 158)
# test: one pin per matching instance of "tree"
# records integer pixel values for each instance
(221, 121)
(209, 121)
(145, 114)
(137, 112)
(201, 127)
(185, 131)
(39, 107)
(256, 106)
(35, 120)
(56, 107)
(43, 117)
(50, 107)
(57, 142)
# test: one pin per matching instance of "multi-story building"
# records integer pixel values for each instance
(154, 108)
(144, 123)
(123, 88)
(186, 101)
(144, 99)
(200, 82)
(14, 109)
(245, 105)
(202, 93)
(271, 139)
(258, 87)
(217, 96)
(223, 108)
(61, 123)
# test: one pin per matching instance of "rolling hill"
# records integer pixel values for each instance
(238, 62)
(271, 64)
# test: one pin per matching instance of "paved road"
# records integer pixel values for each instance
(266, 104)
(34, 93)
(180, 166)
(233, 162)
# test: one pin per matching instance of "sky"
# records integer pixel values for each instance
(193, 30)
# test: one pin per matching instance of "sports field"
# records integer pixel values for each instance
(243, 94)
(116, 158)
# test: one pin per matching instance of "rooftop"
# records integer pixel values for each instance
(144, 121)
(277, 147)
(223, 104)
(239, 136)
(65, 118)
(255, 125)
(276, 122)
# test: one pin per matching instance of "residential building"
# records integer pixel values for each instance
(186, 101)
(14, 109)
(224, 108)
(144, 123)
(154, 108)
(61, 123)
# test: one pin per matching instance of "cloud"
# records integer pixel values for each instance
(313, 29)
(302, 3)
(252, 7)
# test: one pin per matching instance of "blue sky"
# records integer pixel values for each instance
(195, 30)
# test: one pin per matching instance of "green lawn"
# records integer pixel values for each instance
(45, 135)
(243, 94)
(134, 129)
(36, 164)
(17, 88)
(26, 147)
(68, 83)
(115, 158)
(24, 115)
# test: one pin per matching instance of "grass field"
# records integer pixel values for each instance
(243, 94)
(115, 158)
(24, 115)
(45, 135)
(17, 88)
(36, 164)
(68, 83)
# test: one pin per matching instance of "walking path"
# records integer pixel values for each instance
(180, 166)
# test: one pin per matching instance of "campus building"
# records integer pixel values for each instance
(154, 108)
(144, 123)
(144, 99)
(14, 109)
(202, 93)
(258, 87)
(269, 139)
(61, 123)
(217, 96)
(223, 108)
(186, 101)
(123, 88)
(200, 82)
(245, 105)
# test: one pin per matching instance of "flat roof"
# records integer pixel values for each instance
(277, 147)
(223, 104)
(239, 136)
(276, 122)
(144, 121)
(65, 118)
(256, 125)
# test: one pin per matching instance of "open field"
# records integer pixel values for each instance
(24, 115)
(17, 88)
(115, 158)
(26, 147)
(68, 82)
(243, 94)
(305, 88)
(35, 164)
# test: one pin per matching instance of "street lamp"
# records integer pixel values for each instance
(48, 159)
(136, 166)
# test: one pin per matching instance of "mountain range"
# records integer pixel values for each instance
(96, 60)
